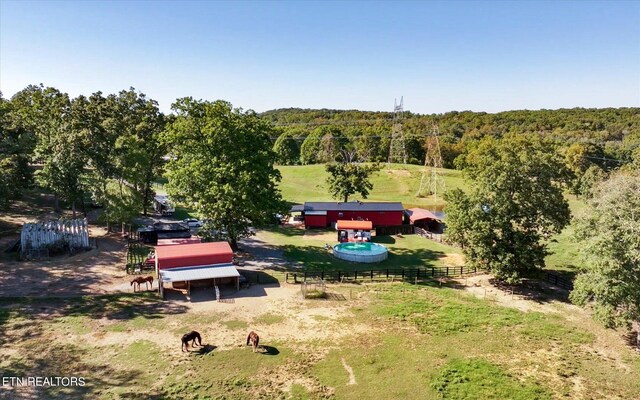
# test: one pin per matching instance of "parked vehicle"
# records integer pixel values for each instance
(193, 223)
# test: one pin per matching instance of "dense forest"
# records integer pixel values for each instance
(606, 137)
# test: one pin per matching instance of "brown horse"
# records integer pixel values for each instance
(192, 337)
(140, 280)
(254, 339)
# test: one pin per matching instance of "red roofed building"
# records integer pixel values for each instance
(207, 264)
(190, 255)
(424, 219)
(326, 214)
(354, 231)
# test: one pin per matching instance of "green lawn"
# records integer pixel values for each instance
(563, 247)
(408, 251)
(307, 183)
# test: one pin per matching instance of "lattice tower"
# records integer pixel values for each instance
(432, 180)
(397, 147)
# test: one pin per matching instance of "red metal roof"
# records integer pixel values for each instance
(188, 255)
(170, 242)
(361, 225)
(416, 214)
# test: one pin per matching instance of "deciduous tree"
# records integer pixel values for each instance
(221, 161)
(348, 177)
(514, 203)
(609, 237)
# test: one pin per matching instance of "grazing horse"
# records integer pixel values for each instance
(254, 339)
(192, 337)
(140, 280)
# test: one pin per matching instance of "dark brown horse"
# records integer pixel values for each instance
(192, 337)
(140, 280)
(254, 339)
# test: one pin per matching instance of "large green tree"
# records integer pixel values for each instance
(221, 162)
(515, 202)
(287, 147)
(59, 147)
(349, 177)
(15, 152)
(609, 237)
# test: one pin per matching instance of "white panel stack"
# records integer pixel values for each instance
(74, 232)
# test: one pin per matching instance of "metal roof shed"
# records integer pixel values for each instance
(195, 262)
(191, 255)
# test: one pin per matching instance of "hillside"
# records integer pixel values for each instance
(399, 183)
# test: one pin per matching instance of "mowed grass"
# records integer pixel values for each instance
(399, 183)
(411, 342)
(306, 248)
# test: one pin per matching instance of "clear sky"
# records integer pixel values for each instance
(441, 56)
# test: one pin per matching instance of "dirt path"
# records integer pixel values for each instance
(89, 273)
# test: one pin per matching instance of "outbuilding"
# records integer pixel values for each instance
(354, 231)
(326, 214)
(196, 265)
(164, 230)
(425, 219)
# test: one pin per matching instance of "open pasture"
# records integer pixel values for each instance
(383, 341)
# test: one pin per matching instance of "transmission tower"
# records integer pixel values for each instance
(432, 181)
(397, 148)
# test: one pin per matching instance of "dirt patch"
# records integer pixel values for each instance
(457, 260)
(96, 271)
(398, 172)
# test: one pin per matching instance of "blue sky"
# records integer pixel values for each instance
(441, 56)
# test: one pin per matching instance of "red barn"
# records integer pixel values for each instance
(326, 214)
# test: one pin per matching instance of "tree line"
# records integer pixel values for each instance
(593, 141)
(101, 149)
(107, 150)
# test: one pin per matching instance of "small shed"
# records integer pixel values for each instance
(164, 230)
(425, 219)
(354, 231)
(202, 264)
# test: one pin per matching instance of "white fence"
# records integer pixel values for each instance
(72, 232)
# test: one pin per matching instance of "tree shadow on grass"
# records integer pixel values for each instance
(533, 290)
(118, 307)
(384, 239)
(47, 359)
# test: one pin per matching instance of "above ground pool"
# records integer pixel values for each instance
(360, 252)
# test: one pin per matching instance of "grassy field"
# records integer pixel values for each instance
(307, 183)
(400, 341)
(409, 251)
